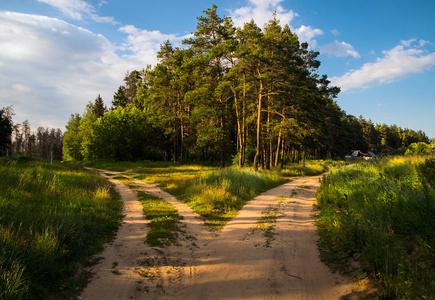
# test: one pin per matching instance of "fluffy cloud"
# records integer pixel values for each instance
(78, 9)
(340, 49)
(307, 34)
(261, 11)
(50, 68)
(146, 43)
(409, 57)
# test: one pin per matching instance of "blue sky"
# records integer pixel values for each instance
(59, 54)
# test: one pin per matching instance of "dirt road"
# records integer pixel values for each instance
(268, 251)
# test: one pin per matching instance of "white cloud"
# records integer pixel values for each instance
(146, 43)
(340, 49)
(78, 9)
(50, 68)
(409, 57)
(307, 34)
(261, 11)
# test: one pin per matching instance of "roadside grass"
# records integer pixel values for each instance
(311, 167)
(164, 220)
(382, 216)
(53, 218)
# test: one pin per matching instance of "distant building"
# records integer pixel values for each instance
(358, 154)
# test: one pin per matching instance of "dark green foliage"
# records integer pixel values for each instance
(124, 134)
(119, 98)
(126, 93)
(382, 215)
(98, 108)
(52, 219)
(5, 130)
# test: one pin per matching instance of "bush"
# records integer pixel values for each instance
(124, 134)
(420, 148)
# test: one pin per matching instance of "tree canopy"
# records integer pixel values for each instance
(245, 94)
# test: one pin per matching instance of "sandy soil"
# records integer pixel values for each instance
(277, 260)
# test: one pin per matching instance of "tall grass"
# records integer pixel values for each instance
(52, 219)
(219, 194)
(382, 214)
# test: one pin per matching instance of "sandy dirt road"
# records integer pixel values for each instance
(245, 260)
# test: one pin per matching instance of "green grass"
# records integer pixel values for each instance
(311, 167)
(382, 214)
(164, 220)
(219, 194)
(53, 218)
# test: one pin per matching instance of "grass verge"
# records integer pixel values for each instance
(381, 214)
(53, 218)
(164, 220)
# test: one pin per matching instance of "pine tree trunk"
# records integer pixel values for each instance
(239, 128)
(282, 152)
(269, 133)
(258, 136)
(244, 133)
(278, 144)
(263, 156)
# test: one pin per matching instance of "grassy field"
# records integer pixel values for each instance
(52, 219)
(382, 216)
(214, 193)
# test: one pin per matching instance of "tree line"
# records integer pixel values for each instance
(250, 95)
(20, 140)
